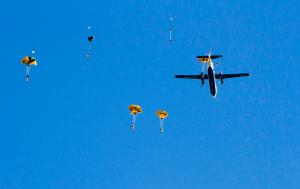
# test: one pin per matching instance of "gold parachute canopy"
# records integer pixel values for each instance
(135, 109)
(28, 60)
(162, 114)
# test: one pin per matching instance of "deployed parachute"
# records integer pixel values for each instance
(134, 111)
(90, 39)
(28, 61)
(171, 28)
(162, 115)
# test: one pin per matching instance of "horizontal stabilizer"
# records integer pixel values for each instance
(212, 57)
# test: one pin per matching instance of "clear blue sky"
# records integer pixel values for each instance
(69, 127)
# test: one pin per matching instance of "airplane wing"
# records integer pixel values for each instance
(191, 76)
(225, 76)
(212, 56)
(215, 56)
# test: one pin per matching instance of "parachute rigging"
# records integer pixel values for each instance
(162, 114)
(135, 110)
(29, 61)
(90, 39)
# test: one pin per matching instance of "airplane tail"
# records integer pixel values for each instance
(211, 57)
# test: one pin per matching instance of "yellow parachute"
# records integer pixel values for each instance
(28, 61)
(162, 114)
(134, 111)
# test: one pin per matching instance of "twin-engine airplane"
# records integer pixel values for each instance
(211, 76)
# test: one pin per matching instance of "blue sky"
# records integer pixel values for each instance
(69, 127)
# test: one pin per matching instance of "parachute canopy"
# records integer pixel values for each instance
(162, 114)
(135, 109)
(90, 38)
(28, 60)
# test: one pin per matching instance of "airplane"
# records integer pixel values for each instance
(211, 76)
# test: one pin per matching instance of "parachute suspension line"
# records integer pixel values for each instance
(90, 42)
(27, 72)
(161, 126)
(89, 51)
(133, 121)
(134, 118)
(90, 46)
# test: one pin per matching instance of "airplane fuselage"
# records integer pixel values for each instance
(212, 79)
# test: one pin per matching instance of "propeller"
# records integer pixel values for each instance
(221, 78)
(202, 79)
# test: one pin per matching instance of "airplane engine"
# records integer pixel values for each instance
(221, 78)
(202, 78)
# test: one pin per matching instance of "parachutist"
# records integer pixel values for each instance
(90, 38)
(170, 29)
(29, 62)
(132, 126)
(88, 54)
